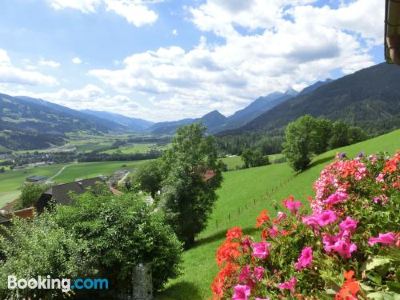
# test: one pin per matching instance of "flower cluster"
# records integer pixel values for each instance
(353, 224)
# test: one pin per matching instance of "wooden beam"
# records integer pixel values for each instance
(392, 31)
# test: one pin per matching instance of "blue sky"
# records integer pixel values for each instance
(171, 59)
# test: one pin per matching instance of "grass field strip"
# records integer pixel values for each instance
(225, 223)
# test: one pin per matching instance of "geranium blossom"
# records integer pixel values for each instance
(349, 289)
(260, 250)
(305, 259)
(259, 273)
(289, 285)
(337, 197)
(292, 205)
(322, 219)
(388, 238)
(344, 248)
(273, 232)
(245, 274)
(326, 217)
(234, 233)
(241, 292)
(348, 224)
(262, 218)
(228, 251)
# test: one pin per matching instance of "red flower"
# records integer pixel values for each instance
(224, 280)
(227, 252)
(234, 233)
(350, 288)
(262, 218)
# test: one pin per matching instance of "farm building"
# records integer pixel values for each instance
(36, 179)
(26, 213)
(61, 194)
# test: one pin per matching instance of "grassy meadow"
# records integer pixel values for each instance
(243, 195)
(136, 148)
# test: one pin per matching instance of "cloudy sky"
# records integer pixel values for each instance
(170, 59)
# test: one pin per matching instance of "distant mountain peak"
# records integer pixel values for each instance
(315, 86)
(214, 113)
(291, 92)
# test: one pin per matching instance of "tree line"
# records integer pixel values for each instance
(308, 136)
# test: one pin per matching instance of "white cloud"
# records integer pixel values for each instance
(76, 60)
(135, 12)
(263, 46)
(14, 75)
(85, 6)
(49, 63)
(283, 48)
(92, 97)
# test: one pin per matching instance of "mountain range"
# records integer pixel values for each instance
(369, 98)
(131, 124)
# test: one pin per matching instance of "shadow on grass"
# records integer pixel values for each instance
(179, 291)
(220, 235)
(321, 161)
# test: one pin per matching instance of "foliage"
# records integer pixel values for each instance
(35, 248)
(254, 158)
(299, 142)
(192, 173)
(148, 177)
(122, 231)
(348, 246)
(342, 135)
(308, 136)
(30, 194)
(267, 143)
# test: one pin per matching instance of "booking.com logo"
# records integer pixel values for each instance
(64, 284)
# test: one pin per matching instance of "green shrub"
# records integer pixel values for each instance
(30, 194)
(38, 248)
(121, 232)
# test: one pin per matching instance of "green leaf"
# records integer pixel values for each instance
(383, 296)
(377, 262)
(394, 286)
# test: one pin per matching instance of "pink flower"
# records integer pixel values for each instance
(344, 248)
(273, 232)
(337, 197)
(380, 177)
(338, 244)
(329, 241)
(388, 238)
(260, 250)
(242, 292)
(326, 217)
(348, 224)
(259, 273)
(281, 216)
(292, 205)
(305, 259)
(311, 221)
(244, 274)
(382, 199)
(289, 285)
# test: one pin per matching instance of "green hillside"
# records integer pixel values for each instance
(243, 195)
